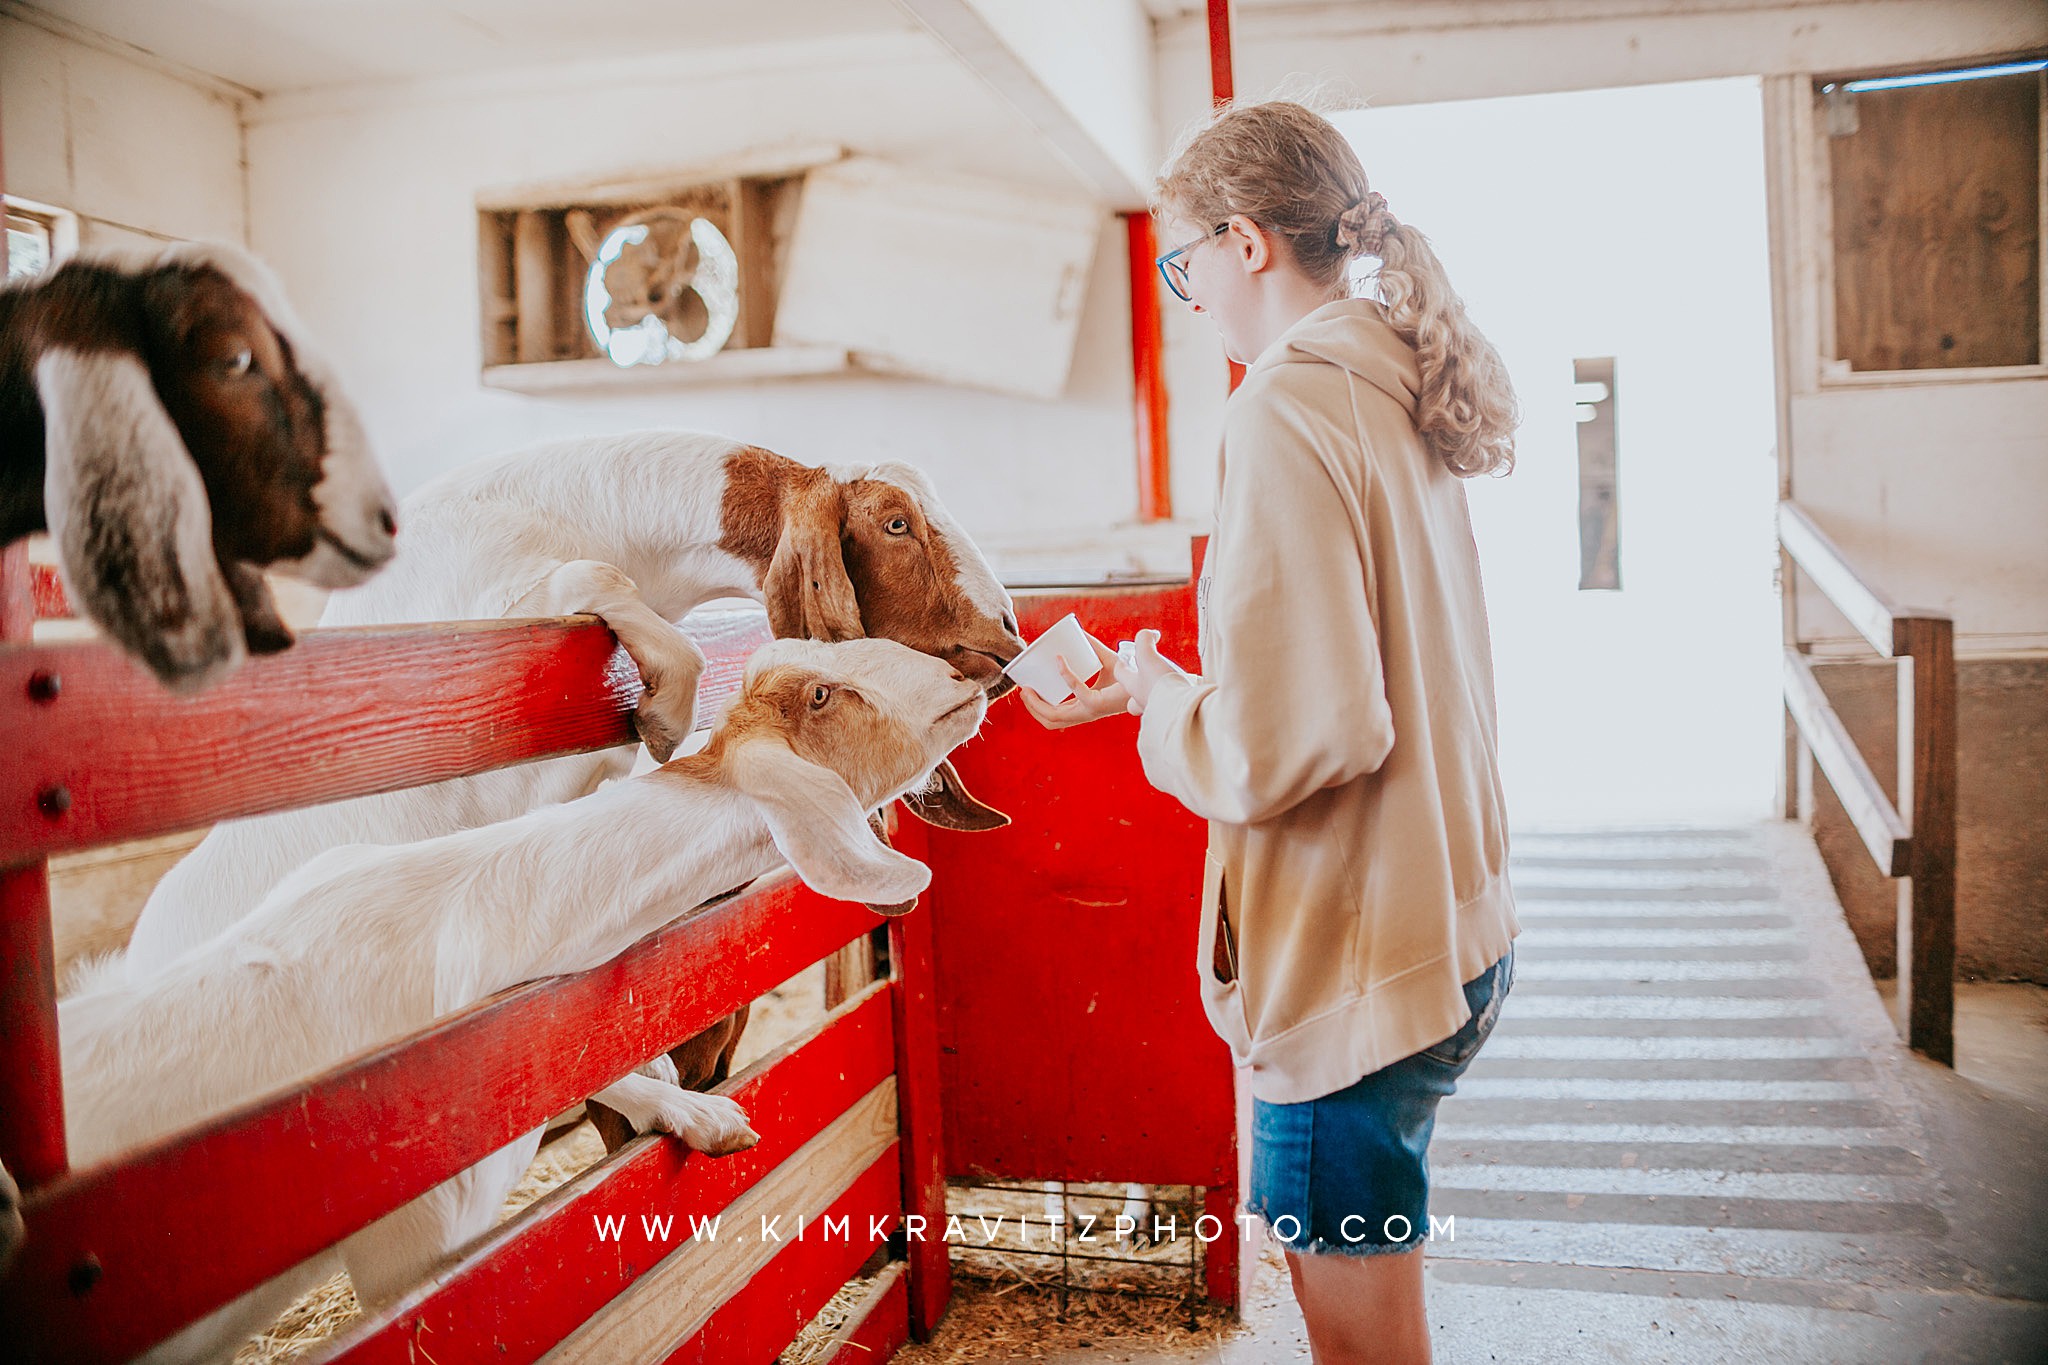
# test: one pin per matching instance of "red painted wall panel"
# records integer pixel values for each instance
(1073, 1040)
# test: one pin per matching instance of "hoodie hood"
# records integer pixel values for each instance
(1353, 334)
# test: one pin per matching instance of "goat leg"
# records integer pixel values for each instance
(698, 1064)
(1139, 1210)
(263, 628)
(11, 1229)
(712, 1124)
(669, 663)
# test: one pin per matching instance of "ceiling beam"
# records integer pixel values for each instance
(1079, 71)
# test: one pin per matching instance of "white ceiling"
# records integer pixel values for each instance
(277, 45)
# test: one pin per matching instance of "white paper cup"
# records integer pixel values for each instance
(1038, 666)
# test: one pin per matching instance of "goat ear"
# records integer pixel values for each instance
(946, 803)
(820, 827)
(128, 511)
(583, 232)
(808, 593)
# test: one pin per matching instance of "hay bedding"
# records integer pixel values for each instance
(993, 1319)
(1008, 1318)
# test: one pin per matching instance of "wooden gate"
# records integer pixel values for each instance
(1073, 1045)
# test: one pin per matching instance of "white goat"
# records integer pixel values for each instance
(365, 944)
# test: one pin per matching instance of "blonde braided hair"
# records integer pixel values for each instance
(1290, 171)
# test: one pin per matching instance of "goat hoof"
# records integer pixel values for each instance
(746, 1138)
(661, 741)
(899, 908)
(711, 1124)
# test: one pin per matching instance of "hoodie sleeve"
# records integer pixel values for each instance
(1293, 697)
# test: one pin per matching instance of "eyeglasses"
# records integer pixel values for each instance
(1174, 272)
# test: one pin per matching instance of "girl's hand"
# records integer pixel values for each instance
(1087, 703)
(1143, 673)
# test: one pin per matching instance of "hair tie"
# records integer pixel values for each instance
(1362, 229)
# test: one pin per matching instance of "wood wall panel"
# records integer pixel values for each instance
(1937, 224)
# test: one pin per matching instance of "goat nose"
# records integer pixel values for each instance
(958, 676)
(387, 521)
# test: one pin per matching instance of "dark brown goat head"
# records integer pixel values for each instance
(192, 437)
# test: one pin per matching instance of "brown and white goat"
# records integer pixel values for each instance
(366, 944)
(636, 529)
(165, 418)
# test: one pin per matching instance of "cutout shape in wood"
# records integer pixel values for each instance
(662, 285)
(1599, 511)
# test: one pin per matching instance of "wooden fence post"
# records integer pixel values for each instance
(917, 1082)
(31, 1075)
(1927, 796)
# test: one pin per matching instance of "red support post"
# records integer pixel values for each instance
(1222, 90)
(917, 1089)
(31, 1077)
(1222, 82)
(1148, 374)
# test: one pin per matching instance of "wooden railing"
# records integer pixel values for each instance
(125, 1252)
(1914, 840)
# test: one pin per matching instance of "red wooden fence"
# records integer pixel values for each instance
(1082, 914)
(124, 1253)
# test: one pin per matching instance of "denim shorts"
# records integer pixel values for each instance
(1349, 1172)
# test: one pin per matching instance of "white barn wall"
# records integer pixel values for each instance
(364, 199)
(135, 151)
(1939, 492)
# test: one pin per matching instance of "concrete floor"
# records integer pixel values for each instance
(2001, 1035)
(1695, 1137)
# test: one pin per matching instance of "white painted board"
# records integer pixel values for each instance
(963, 281)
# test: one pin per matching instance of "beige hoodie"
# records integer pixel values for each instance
(1341, 738)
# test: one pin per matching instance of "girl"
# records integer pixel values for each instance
(1357, 925)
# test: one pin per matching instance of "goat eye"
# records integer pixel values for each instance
(238, 363)
(898, 526)
(820, 695)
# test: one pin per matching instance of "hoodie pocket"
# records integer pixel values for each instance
(1216, 959)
